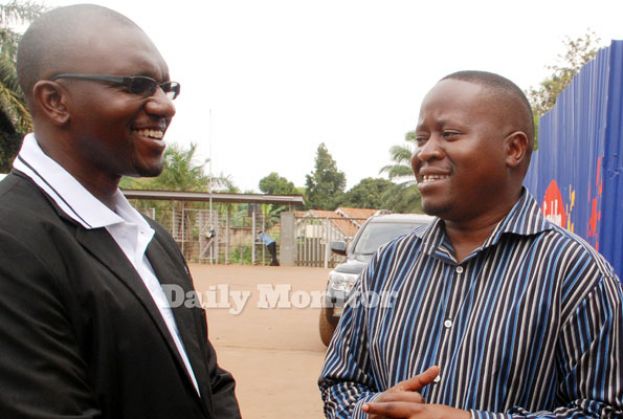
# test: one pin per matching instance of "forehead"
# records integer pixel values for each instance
(457, 100)
(122, 50)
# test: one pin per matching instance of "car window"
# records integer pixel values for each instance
(376, 234)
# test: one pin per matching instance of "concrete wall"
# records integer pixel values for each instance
(287, 247)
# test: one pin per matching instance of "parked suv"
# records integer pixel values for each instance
(376, 231)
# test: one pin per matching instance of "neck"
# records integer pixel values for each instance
(467, 235)
(103, 189)
(99, 184)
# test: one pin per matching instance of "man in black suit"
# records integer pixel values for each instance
(86, 330)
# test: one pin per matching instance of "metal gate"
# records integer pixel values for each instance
(314, 236)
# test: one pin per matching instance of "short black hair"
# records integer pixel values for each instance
(45, 42)
(500, 85)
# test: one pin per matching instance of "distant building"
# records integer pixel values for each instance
(341, 224)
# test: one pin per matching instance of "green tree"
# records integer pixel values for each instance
(400, 170)
(368, 193)
(273, 184)
(402, 198)
(577, 52)
(15, 119)
(181, 172)
(325, 185)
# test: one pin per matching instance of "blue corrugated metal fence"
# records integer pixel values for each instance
(577, 171)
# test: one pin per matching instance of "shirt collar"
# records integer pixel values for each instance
(525, 219)
(68, 194)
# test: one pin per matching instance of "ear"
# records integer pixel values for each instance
(516, 146)
(50, 98)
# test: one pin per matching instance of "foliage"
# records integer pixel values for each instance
(15, 120)
(241, 255)
(404, 195)
(400, 170)
(325, 185)
(403, 198)
(577, 53)
(180, 173)
(273, 184)
(368, 193)
(384, 194)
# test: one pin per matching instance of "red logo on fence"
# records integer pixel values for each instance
(553, 205)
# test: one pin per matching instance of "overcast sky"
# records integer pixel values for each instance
(280, 77)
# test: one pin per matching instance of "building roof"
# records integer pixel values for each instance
(346, 220)
(347, 227)
(357, 213)
(323, 214)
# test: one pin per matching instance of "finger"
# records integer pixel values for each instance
(401, 396)
(419, 381)
(393, 409)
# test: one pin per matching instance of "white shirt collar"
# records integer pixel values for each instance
(68, 194)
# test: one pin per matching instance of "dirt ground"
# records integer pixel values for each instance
(274, 353)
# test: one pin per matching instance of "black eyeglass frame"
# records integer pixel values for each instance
(170, 88)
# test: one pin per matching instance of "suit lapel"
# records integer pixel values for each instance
(103, 247)
(170, 273)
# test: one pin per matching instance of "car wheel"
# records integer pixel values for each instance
(325, 326)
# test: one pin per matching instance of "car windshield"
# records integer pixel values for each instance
(376, 234)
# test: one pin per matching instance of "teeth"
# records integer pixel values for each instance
(431, 178)
(152, 133)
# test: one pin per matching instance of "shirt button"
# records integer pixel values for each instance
(437, 379)
(459, 269)
(447, 324)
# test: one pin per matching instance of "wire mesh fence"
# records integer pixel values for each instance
(231, 233)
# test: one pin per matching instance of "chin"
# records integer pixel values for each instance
(437, 209)
(148, 170)
(151, 172)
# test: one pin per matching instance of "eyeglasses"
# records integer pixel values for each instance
(140, 85)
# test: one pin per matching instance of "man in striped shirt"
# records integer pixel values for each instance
(495, 312)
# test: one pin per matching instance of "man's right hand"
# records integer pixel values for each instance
(407, 390)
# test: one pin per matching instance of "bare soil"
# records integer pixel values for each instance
(275, 354)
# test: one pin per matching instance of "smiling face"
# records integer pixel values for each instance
(461, 158)
(112, 131)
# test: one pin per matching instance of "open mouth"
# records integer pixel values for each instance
(423, 180)
(155, 134)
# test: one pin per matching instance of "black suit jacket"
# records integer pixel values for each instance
(80, 335)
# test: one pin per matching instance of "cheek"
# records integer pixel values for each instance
(415, 162)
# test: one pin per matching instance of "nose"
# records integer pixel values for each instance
(159, 104)
(429, 150)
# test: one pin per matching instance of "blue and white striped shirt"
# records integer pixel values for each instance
(529, 325)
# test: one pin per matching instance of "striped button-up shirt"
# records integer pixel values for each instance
(530, 324)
